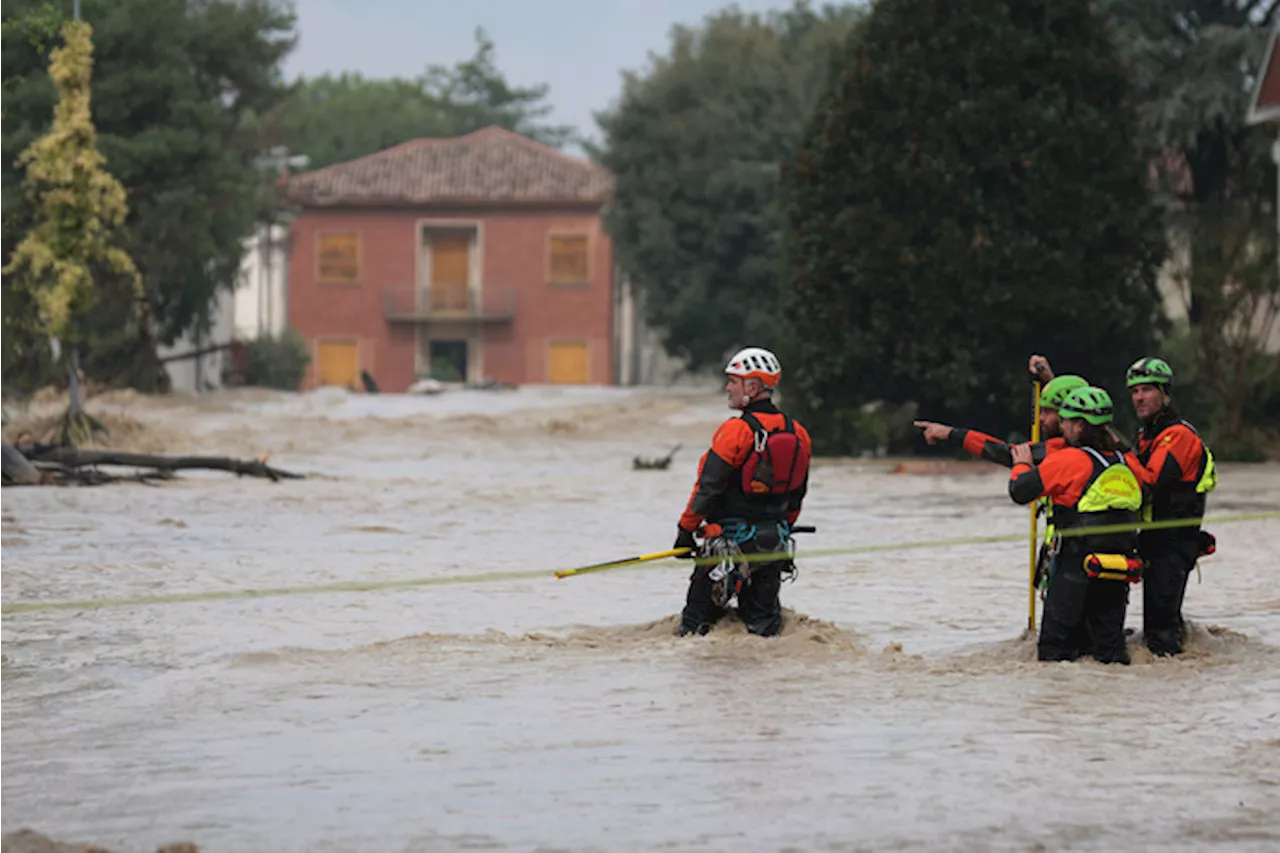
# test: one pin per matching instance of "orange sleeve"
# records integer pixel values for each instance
(1061, 477)
(730, 447)
(733, 442)
(1135, 465)
(975, 442)
(1175, 457)
(1065, 475)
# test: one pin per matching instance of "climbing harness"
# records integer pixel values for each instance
(732, 570)
(1046, 562)
(728, 575)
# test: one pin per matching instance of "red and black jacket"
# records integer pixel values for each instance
(719, 493)
(1173, 461)
(1064, 477)
(994, 450)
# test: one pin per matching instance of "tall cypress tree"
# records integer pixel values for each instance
(79, 208)
(968, 192)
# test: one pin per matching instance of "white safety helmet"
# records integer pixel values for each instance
(755, 363)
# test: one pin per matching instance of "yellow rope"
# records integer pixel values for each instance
(526, 574)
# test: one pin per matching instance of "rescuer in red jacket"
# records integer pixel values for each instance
(1092, 486)
(749, 491)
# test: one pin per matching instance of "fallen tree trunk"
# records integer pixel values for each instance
(71, 458)
(18, 469)
(57, 474)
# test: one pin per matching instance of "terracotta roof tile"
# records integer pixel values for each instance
(488, 166)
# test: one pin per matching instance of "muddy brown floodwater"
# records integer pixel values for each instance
(901, 709)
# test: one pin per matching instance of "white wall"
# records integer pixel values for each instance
(192, 375)
(642, 360)
(257, 307)
(1174, 288)
(260, 307)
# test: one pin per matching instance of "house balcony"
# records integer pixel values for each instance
(493, 305)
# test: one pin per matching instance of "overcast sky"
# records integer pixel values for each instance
(578, 47)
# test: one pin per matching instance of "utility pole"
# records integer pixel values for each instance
(276, 161)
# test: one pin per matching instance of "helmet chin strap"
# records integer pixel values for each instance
(748, 398)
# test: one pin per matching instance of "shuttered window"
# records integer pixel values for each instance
(569, 259)
(338, 257)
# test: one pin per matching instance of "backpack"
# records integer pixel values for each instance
(778, 462)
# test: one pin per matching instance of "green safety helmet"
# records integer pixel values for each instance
(1052, 395)
(1149, 371)
(1092, 404)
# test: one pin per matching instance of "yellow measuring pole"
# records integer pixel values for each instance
(1031, 580)
(626, 561)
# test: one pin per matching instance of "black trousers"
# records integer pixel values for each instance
(759, 605)
(1170, 556)
(1083, 615)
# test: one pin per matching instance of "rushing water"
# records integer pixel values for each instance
(901, 709)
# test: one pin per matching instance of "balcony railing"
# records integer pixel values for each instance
(493, 304)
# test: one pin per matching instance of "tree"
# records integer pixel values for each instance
(696, 144)
(173, 82)
(967, 193)
(478, 95)
(334, 119)
(25, 351)
(38, 24)
(1194, 62)
(78, 208)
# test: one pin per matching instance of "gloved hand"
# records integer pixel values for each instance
(684, 539)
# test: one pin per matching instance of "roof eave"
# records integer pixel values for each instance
(1262, 116)
(1257, 115)
(362, 202)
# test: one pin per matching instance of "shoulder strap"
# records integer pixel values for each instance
(759, 435)
(788, 425)
(1096, 455)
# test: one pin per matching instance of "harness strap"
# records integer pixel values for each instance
(1098, 456)
(736, 532)
(757, 428)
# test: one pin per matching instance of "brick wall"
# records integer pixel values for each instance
(322, 310)
(514, 247)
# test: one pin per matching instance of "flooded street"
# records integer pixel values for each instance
(900, 710)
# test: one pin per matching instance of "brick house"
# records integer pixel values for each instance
(481, 256)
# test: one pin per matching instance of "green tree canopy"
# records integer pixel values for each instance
(25, 349)
(968, 193)
(697, 143)
(1194, 63)
(173, 81)
(332, 119)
